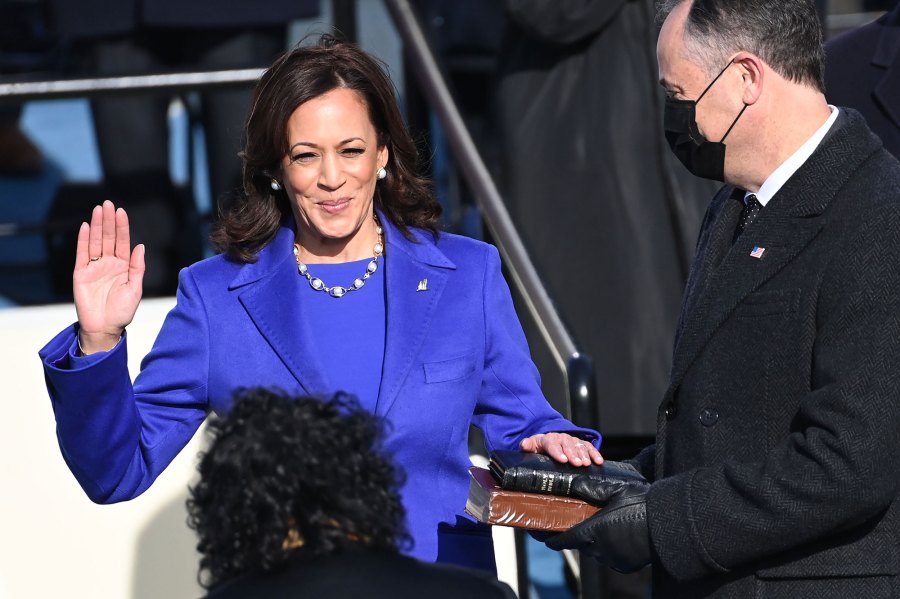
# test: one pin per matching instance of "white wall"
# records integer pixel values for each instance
(53, 541)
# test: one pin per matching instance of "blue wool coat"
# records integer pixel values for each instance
(455, 355)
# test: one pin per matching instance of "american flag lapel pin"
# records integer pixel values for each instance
(757, 252)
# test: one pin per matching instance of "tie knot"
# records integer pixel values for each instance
(750, 211)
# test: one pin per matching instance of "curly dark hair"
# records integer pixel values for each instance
(281, 465)
(297, 76)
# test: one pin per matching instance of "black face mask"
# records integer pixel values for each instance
(702, 157)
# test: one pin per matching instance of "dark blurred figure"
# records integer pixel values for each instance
(608, 215)
(19, 157)
(875, 5)
(25, 47)
(134, 37)
(463, 35)
(862, 71)
(296, 499)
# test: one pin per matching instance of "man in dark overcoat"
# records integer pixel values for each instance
(775, 471)
(863, 71)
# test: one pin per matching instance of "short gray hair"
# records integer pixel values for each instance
(786, 34)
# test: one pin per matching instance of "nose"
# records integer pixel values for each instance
(331, 176)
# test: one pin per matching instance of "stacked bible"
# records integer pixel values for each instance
(532, 491)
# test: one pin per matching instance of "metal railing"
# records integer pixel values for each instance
(67, 88)
(496, 217)
(577, 367)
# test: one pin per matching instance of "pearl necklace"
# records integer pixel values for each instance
(337, 291)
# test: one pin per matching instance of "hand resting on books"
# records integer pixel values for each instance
(617, 535)
(563, 448)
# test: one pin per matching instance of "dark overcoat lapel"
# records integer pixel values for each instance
(726, 273)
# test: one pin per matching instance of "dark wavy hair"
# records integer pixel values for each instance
(787, 34)
(282, 467)
(297, 76)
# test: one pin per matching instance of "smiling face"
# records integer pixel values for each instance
(330, 173)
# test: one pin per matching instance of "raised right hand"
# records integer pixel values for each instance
(108, 278)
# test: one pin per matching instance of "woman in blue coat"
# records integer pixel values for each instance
(333, 276)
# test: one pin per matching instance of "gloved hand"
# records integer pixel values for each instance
(617, 535)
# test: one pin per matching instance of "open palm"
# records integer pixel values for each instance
(108, 278)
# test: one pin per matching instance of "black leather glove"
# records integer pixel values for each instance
(617, 535)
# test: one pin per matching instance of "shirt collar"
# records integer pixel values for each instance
(784, 172)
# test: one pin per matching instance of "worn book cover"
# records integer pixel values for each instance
(490, 504)
(539, 473)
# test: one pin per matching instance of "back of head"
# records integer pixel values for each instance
(786, 34)
(292, 473)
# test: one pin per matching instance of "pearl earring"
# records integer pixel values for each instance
(275, 185)
(381, 173)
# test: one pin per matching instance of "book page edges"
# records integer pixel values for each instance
(490, 504)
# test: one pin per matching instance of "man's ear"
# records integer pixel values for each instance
(752, 70)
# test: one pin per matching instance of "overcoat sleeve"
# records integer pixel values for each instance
(512, 406)
(117, 437)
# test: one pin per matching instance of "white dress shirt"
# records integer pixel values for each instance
(784, 172)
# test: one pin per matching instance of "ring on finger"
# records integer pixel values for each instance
(95, 259)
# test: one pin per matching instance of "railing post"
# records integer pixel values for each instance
(344, 16)
(583, 410)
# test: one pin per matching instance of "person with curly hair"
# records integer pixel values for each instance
(296, 498)
(333, 276)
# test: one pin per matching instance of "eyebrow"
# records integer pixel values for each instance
(317, 146)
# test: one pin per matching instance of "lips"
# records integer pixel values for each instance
(335, 206)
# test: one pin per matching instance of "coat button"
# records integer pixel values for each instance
(671, 410)
(708, 417)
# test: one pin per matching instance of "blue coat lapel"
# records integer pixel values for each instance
(409, 312)
(270, 290)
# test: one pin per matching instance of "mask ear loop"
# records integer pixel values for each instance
(711, 83)
(734, 122)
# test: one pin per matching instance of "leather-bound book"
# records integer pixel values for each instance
(539, 473)
(490, 504)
